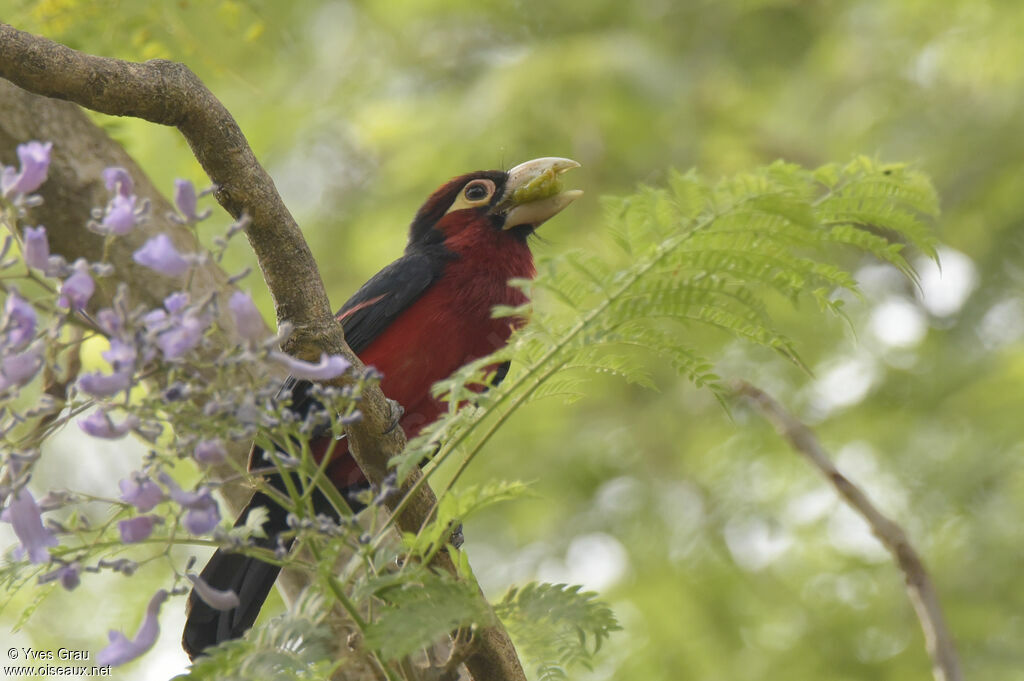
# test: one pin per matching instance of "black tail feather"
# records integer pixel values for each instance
(250, 578)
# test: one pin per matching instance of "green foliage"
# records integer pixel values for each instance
(420, 609)
(456, 506)
(361, 109)
(695, 254)
(294, 646)
(556, 625)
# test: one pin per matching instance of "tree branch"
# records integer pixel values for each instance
(169, 93)
(938, 640)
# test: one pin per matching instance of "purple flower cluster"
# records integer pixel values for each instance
(124, 210)
(203, 514)
(162, 342)
(121, 357)
(21, 359)
(178, 328)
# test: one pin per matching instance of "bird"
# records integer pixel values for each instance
(416, 322)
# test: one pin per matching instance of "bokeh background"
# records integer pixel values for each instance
(723, 555)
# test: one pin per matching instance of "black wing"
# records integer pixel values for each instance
(366, 314)
(379, 301)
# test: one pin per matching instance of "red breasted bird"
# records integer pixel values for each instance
(416, 321)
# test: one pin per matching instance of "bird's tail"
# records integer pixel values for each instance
(250, 578)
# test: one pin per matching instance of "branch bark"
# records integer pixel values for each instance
(168, 93)
(923, 596)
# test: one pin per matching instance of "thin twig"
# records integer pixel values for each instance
(938, 640)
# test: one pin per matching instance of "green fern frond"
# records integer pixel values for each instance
(556, 625)
(295, 646)
(692, 255)
(419, 612)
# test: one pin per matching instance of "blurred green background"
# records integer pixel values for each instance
(724, 556)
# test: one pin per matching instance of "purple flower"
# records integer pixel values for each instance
(202, 519)
(69, 575)
(99, 424)
(24, 515)
(185, 200)
(121, 355)
(120, 216)
(215, 598)
(141, 492)
(118, 180)
(248, 319)
(110, 321)
(155, 319)
(210, 451)
(184, 334)
(330, 366)
(176, 302)
(104, 385)
(159, 254)
(138, 528)
(203, 514)
(35, 162)
(18, 369)
(121, 650)
(36, 248)
(19, 322)
(77, 289)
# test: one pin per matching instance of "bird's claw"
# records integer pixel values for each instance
(457, 539)
(397, 412)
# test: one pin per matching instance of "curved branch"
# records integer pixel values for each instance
(169, 93)
(938, 639)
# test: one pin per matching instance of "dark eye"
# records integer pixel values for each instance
(477, 191)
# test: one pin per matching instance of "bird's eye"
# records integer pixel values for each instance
(474, 195)
(476, 191)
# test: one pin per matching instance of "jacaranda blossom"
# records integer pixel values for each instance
(141, 492)
(118, 180)
(183, 335)
(36, 248)
(160, 255)
(176, 302)
(248, 319)
(23, 514)
(121, 649)
(121, 355)
(69, 575)
(203, 514)
(35, 162)
(19, 368)
(138, 528)
(78, 288)
(210, 451)
(99, 384)
(186, 201)
(120, 216)
(215, 598)
(19, 322)
(99, 424)
(202, 518)
(330, 366)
